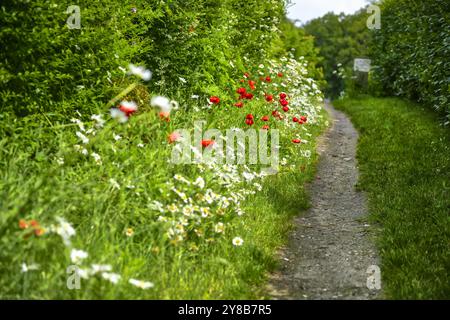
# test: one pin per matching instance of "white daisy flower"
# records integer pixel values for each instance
(111, 277)
(25, 268)
(237, 241)
(76, 256)
(118, 115)
(141, 284)
(82, 137)
(141, 72)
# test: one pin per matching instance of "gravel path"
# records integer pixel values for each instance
(331, 248)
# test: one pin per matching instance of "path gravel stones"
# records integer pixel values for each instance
(331, 248)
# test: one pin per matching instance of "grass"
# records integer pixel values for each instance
(404, 158)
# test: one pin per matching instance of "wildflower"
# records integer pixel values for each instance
(249, 96)
(241, 91)
(64, 230)
(97, 158)
(219, 227)
(128, 107)
(200, 182)
(188, 211)
(296, 141)
(249, 119)
(284, 103)
(165, 116)
(140, 145)
(237, 241)
(114, 184)
(118, 115)
(162, 103)
(99, 120)
(172, 208)
(239, 104)
(141, 72)
(111, 277)
(265, 118)
(295, 119)
(205, 212)
(283, 96)
(96, 268)
(76, 256)
(129, 232)
(60, 161)
(117, 137)
(286, 109)
(248, 176)
(304, 119)
(133, 10)
(268, 79)
(266, 127)
(246, 75)
(175, 137)
(269, 98)
(141, 284)
(183, 80)
(252, 84)
(23, 224)
(214, 100)
(280, 75)
(25, 268)
(207, 143)
(82, 137)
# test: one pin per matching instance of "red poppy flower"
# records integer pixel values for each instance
(249, 96)
(266, 127)
(284, 103)
(269, 98)
(280, 74)
(265, 118)
(23, 224)
(249, 116)
(252, 84)
(296, 141)
(286, 109)
(304, 118)
(249, 122)
(165, 116)
(34, 223)
(275, 113)
(283, 96)
(239, 104)
(268, 79)
(38, 232)
(207, 143)
(295, 119)
(241, 91)
(214, 100)
(128, 108)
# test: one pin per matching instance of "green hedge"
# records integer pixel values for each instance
(412, 50)
(48, 68)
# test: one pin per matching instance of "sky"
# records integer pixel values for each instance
(306, 10)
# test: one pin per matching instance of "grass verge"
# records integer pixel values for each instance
(404, 158)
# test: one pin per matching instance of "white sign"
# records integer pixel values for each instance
(362, 65)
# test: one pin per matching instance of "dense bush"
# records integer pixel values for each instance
(46, 67)
(411, 51)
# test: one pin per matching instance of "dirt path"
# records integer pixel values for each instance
(330, 251)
